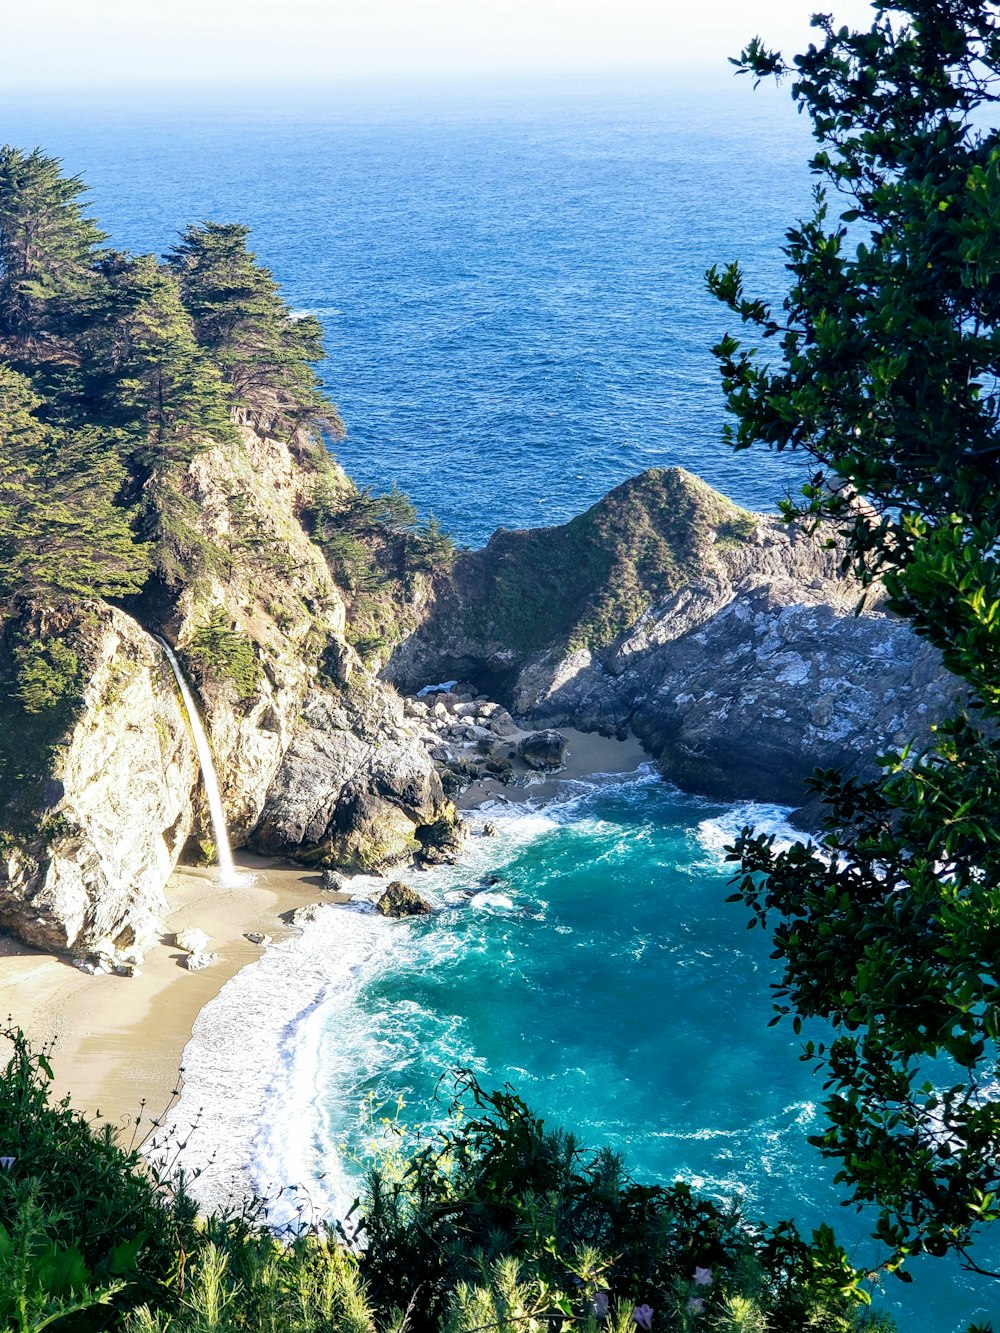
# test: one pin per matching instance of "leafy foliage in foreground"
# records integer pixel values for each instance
(887, 374)
(497, 1223)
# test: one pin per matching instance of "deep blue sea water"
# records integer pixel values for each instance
(510, 281)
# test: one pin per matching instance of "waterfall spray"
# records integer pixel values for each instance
(228, 874)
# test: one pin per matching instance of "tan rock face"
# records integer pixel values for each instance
(120, 811)
(313, 740)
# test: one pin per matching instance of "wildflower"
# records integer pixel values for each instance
(599, 1304)
(702, 1277)
(643, 1316)
(696, 1305)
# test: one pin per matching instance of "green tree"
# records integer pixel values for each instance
(61, 526)
(145, 373)
(47, 250)
(886, 372)
(264, 352)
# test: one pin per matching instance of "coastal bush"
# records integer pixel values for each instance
(495, 1223)
(881, 365)
(48, 674)
(497, 1214)
(81, 1218)
(218, 652)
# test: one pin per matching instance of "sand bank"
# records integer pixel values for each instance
(120, 1040)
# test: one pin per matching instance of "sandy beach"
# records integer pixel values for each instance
(119, 1041)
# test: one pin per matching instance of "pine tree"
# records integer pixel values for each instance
(264, 352)
(47, 250)
(61, 528)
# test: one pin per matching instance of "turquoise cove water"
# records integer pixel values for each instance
(584, 954)
(510, 282)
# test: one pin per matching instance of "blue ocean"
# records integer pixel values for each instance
(511, 284)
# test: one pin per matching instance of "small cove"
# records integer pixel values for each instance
(584, 954)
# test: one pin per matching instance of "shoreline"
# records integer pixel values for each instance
(120, 1041)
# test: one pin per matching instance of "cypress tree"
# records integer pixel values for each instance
(47, 250)
(61, 527)
(264, 352)
(147, 376)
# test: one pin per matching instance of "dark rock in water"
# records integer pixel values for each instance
(400, 900)
(331, 882)
(489, 829)
(440, 842)
(543, 750)
(490, 881)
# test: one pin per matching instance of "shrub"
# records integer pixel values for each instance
(218, 652)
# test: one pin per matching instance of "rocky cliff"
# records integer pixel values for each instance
(100, 786)
(731, 644)
(726, 641)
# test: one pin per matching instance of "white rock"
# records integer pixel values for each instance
(195, 962)
(191, 940)
(304, 916)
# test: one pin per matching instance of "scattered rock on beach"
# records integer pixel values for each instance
(331, 882)
(400, 900)
(255, 937)
(543, 750)
(197, 962)
(191, 940)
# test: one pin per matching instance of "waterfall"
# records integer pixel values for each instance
(228, 874)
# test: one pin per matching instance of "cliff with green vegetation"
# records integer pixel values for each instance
(164, 472)
(734, 645)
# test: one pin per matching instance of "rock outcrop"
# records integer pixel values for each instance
(728, 642)
(544, 751)
(93, 826)
(100, 792)
(399, 900)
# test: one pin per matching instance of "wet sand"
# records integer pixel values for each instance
(119, 1041)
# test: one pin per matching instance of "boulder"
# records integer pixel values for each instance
(331, 882)
(544, 751)
(372, 835)
(197, 962)
(305, 916)
(191, 940)
(255, 937)
(400, 900)
(502, 724)
(441, 842)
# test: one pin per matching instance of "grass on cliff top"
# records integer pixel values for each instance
(582, 584)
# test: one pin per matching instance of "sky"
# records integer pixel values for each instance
(108, 43)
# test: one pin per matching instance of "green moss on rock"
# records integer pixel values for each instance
(581, 584)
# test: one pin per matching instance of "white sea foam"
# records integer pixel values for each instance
(249, 1067)
(718, 832)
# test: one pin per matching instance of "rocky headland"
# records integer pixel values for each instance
(728, 643)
